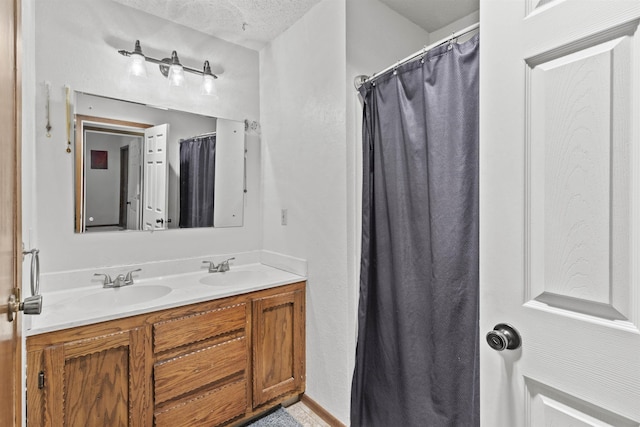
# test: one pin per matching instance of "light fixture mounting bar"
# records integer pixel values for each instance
(165, 62)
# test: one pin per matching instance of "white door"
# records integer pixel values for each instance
(154, 214)
(229, 181)
(134, 190)
(560, 211)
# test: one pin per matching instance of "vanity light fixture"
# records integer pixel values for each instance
(170, 68)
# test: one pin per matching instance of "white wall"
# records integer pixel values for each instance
(302, 105)
(457, 25)
(75, 45)
(377, 37)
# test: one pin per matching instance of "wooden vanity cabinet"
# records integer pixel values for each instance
(207, 364)
(89, 376)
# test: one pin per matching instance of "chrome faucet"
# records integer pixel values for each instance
(220, 268)
(120, 280)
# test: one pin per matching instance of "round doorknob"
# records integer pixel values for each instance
(503, 337)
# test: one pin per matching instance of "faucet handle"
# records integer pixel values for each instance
(211, 265)
(224, 265)
(129, 279)
(107, 278)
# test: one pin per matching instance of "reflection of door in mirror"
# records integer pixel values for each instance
(134, 190)
(108, 193)
(124, 186)
(154, 214)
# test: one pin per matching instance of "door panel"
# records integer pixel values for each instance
(548, 406)
(278, 346)
(94, 380)
(559, 187)
(134, 190)
(579, 176)
(155, 177)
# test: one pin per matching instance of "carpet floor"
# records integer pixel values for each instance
(277, 418)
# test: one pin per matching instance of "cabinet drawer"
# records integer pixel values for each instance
(198, 327)
(209, 409)
(182, 374)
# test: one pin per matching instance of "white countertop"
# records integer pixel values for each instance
(92, 304)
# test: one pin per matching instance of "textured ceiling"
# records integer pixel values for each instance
(253, 23)
(249, 23)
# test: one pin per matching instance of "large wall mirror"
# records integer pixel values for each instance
(139, 167)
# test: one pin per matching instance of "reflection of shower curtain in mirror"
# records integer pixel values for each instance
(197, 179)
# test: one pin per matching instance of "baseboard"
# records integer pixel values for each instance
(321, 412)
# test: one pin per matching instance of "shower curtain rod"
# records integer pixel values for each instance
(362, 79)
(199, 136)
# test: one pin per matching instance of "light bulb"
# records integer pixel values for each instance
(208, 80)
(176, 75)
(208, 85)
(137, 67)
(176, 72)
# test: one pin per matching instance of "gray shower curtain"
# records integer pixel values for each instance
(417, 349)
(197, 181)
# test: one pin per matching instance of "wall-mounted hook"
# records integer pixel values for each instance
(47, 87)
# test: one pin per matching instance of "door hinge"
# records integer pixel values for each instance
(41, 380)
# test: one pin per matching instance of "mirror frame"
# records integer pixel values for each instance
(82, 123)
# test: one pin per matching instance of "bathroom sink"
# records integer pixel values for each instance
(119, 297)
(232, 278)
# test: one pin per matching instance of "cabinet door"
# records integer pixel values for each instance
(97, 381)
(278, 346)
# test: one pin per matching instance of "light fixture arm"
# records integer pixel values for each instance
(166, 62)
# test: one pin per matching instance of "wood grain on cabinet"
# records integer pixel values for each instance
(209, 409)
(176, 332)
(192, 371)
(278, 345)
(207, 364)
(91, 381)
(198, 353)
